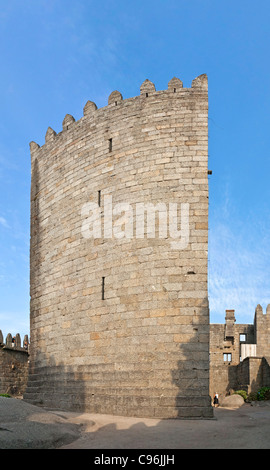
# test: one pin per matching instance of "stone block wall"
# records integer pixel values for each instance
(14, 363)
(239, 354)
(262, 330)
(253, 373)
(119, 314)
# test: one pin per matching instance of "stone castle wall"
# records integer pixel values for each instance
(14, 362)
(240, 354)
(262, 331)
(224, 372)
(120, 322)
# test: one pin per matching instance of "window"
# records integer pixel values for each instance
(227, 357)
(110, 145)
(99, 198)
(243, 338)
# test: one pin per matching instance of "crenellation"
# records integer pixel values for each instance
(115, 98)
(89, 108)
(200, 82)
(9, 340)
(259, 310)
(175, 84)
(68, 121)
(33, 147)
(50, 135)
(147, 88)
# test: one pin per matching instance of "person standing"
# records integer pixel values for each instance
(216, 400)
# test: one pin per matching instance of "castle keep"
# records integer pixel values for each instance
(119, 311)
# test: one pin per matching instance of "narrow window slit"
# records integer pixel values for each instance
(103, 289)
(99, 198)
(110, 145)
(146, 94)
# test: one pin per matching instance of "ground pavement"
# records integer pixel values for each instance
(25, 426)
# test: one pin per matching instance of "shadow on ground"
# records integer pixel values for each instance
(24, 426)
(244, 428)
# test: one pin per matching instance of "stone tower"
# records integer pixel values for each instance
(119, 300)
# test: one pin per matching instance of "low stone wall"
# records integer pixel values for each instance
(14, 364)
(266, 372)
(250, 374)
(223, 378)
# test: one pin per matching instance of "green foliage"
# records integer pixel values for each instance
(5, 395)
(263, 393)
(242, 393)
(252, 396)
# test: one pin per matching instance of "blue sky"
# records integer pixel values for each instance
(57, 54)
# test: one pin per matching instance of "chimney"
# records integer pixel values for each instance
(229, 324)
